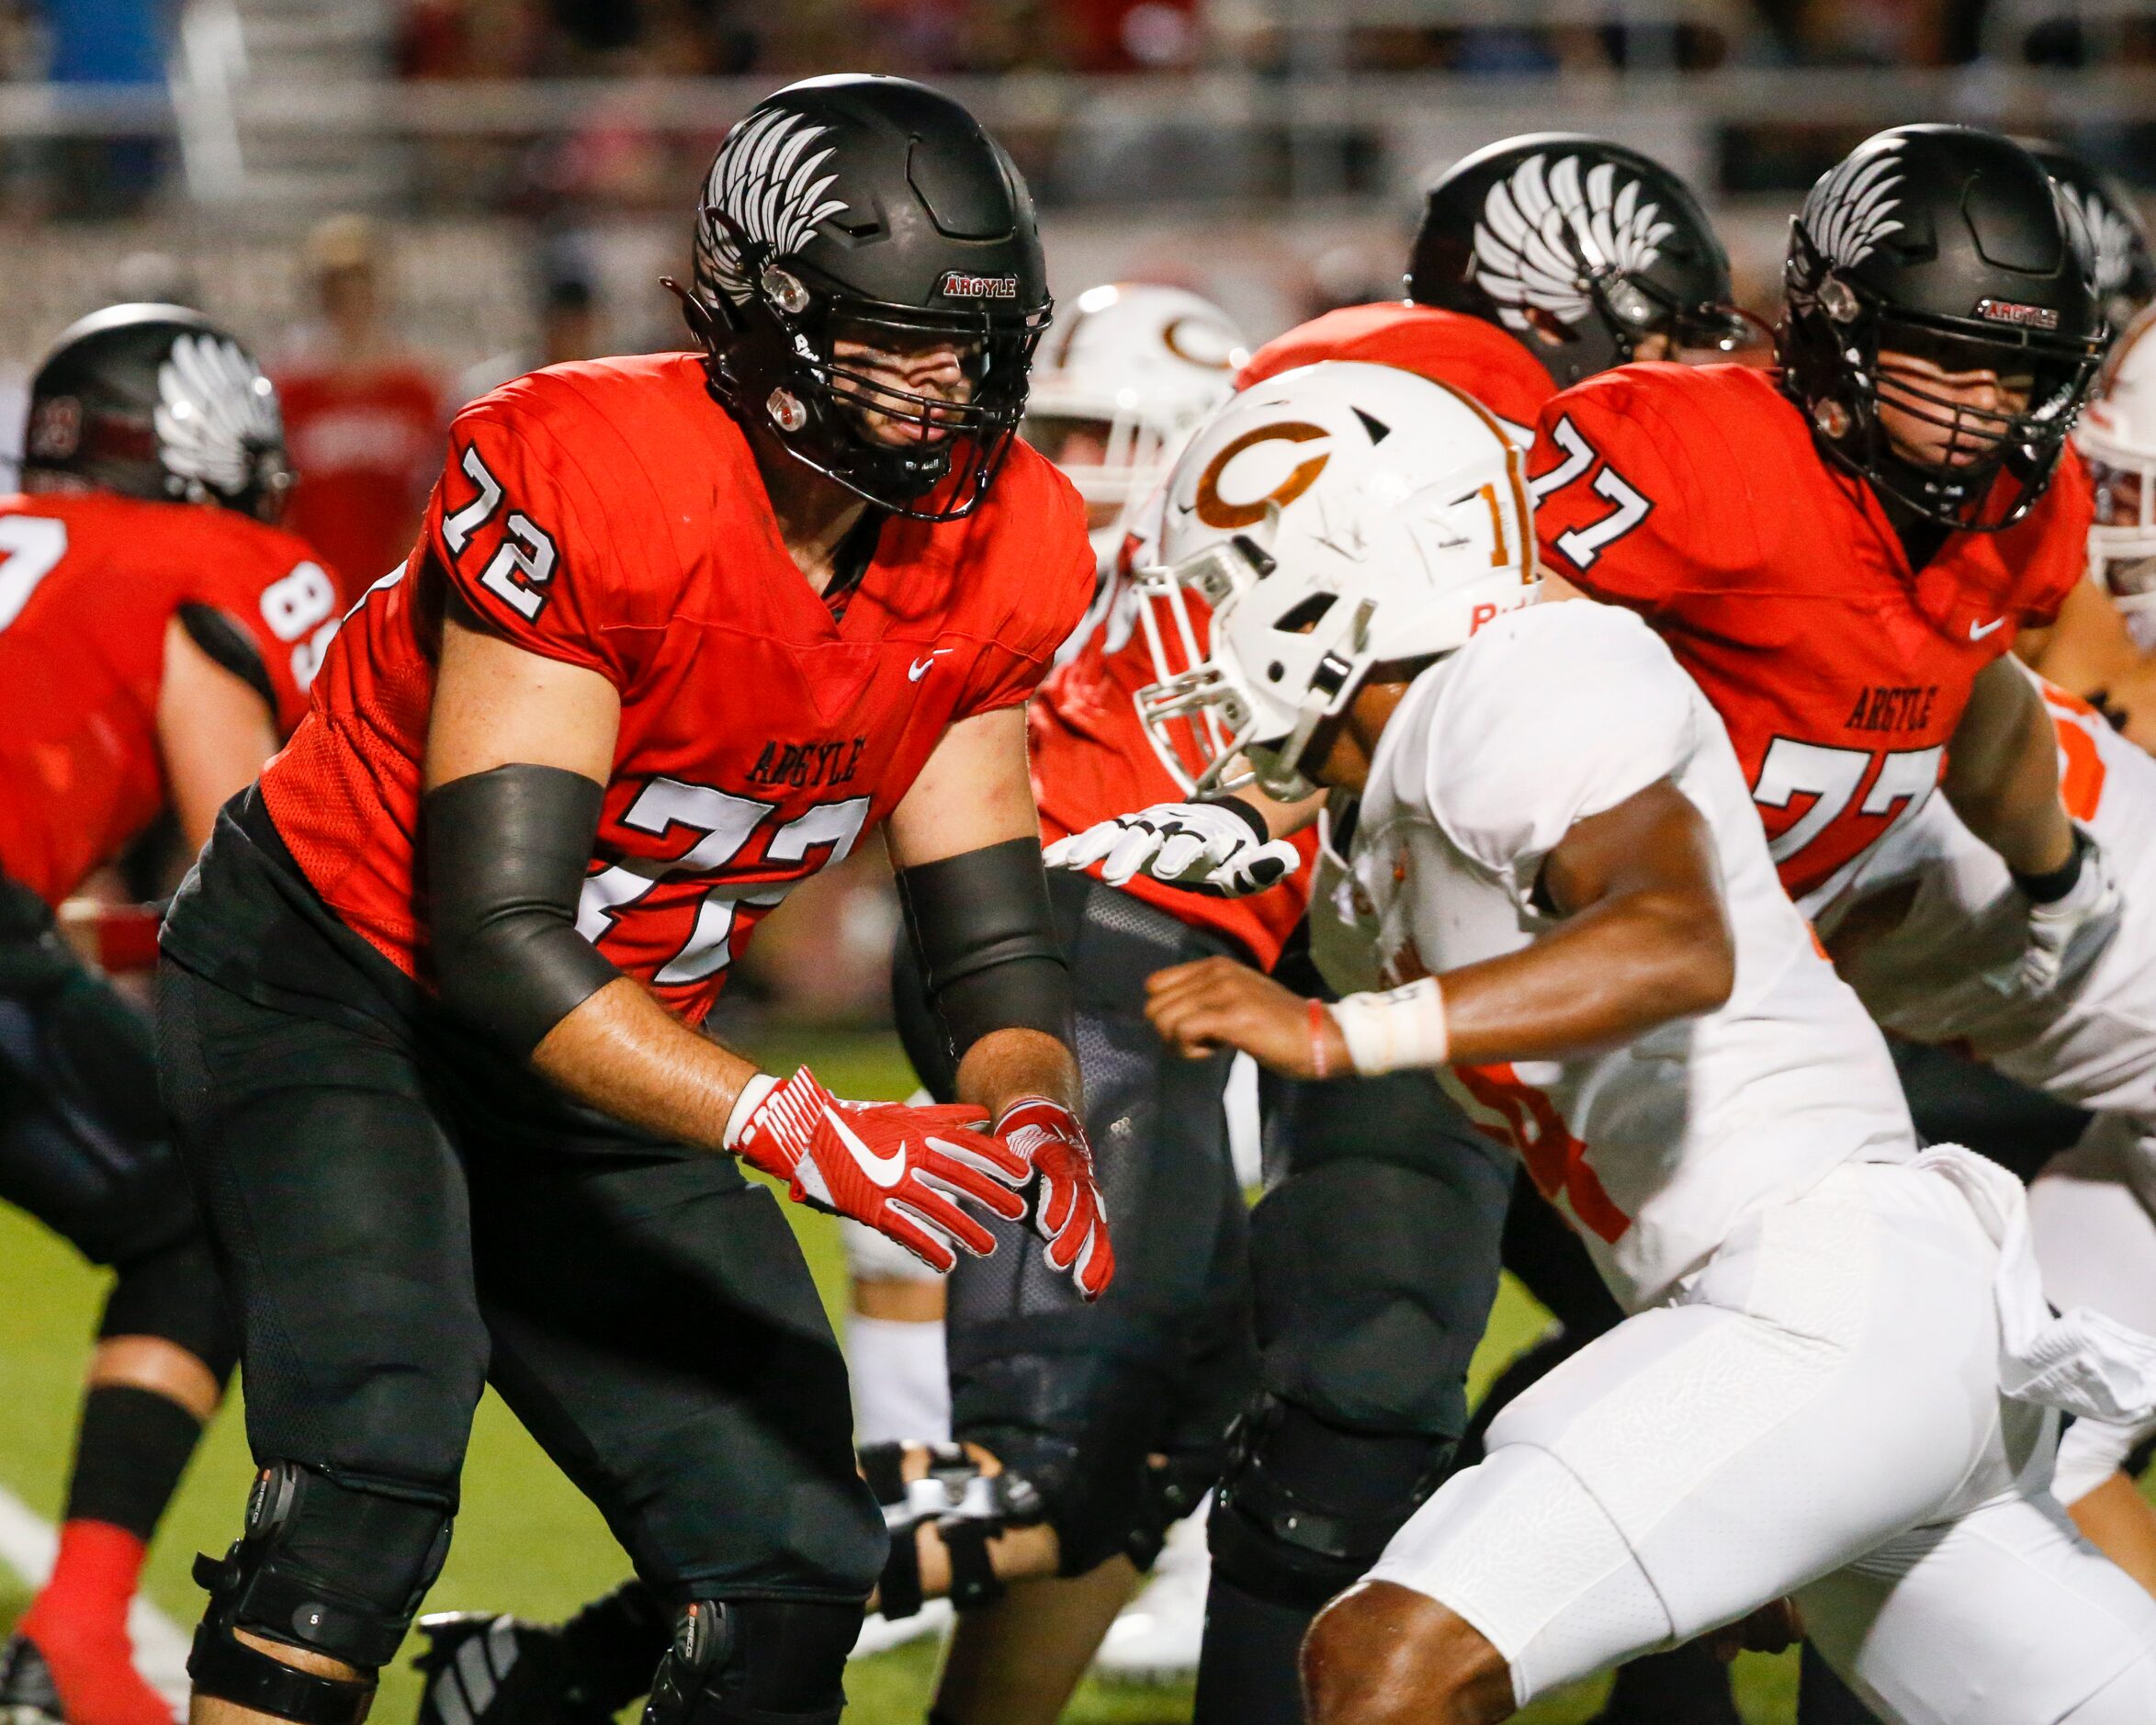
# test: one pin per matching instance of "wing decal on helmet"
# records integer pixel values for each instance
(2111, 241)
(215, 414)
(1846, 213)
(764, 190)
(1523, 255)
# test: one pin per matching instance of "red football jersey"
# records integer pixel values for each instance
(88, 585)
(609, 514)
(1093, 759)
(1695, 496)
(366, 446)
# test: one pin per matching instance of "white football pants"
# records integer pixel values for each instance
(1817, 1413)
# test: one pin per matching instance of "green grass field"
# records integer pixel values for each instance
(525, 1541)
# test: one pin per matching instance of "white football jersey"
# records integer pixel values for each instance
(1938, 976)
(1655, 1150)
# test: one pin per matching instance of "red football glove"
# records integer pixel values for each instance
(1068, 1212)
(894, 1167)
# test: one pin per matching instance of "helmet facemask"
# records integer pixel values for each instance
(778, 354)
(1633, 310)
(1200, 718)
(1992, 462)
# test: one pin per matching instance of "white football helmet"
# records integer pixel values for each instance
(2117, 437)
(1334, 517)
(1124, 377)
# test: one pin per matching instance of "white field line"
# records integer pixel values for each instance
(26, 1546)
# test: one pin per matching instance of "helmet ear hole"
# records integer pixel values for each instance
(1304, 616)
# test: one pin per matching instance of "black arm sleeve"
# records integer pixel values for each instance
(506, 851)
(984, 934)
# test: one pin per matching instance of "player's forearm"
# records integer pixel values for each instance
(2003, 775)
(1006, 1064)
(624, 1053)
(1615, 972)
(1282, 820)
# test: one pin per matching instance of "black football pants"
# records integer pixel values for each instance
(394, 1243)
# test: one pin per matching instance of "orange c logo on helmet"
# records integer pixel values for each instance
(1216, 511)
(1173, 340)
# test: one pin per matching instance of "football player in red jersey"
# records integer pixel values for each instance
(1368, 1351)
(679, 631)
(157, 636)
(1519, 285)
(1841, 554)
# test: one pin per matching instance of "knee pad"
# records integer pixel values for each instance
(1355, 1314)
(331, 1564)
(755, 1662)
(1305, 1507)
(967, 1506)
(176, 1295)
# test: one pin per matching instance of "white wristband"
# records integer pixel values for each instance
(1390, 1033)
(747, 1104)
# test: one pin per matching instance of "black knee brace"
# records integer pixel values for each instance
(1305, 1507)
(331, 1564)
(755, 1662)
(968, 1507)
(1077, 1427)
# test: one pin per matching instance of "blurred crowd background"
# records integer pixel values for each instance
(402, 203)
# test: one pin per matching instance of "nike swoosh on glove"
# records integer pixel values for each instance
(2068, 929)
(898, 1169)
(1068, 1212)
(1220, 848)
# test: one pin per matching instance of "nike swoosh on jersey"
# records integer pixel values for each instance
(919, 667)
(1976, 631)
(885, 1170)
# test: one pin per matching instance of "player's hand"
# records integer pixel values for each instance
(900, 1170)
(1217, 1003)
(1068, 1212)
(1220, 848)
(2075, 924)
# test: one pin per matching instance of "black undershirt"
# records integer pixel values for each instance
(850, 561)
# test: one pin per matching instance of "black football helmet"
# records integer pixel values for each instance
(1948, 244)
(1574, 236)
(2126, 271)
(157, 401)
(870, 209)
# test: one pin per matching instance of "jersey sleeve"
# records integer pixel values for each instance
(1638, 494)
(526, 540)
(1571, 709)
(1047, 598)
